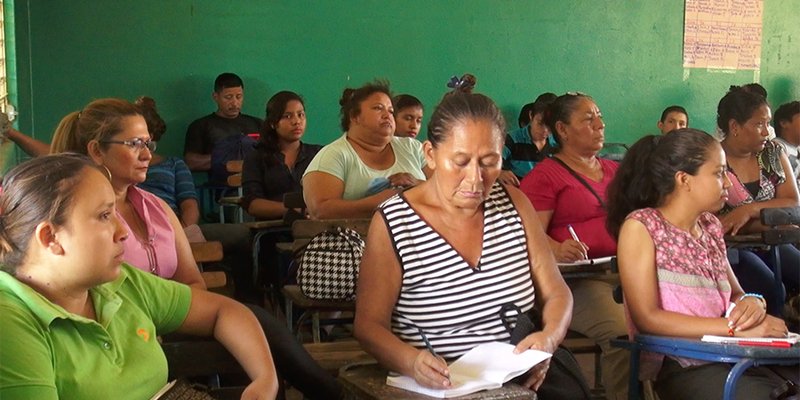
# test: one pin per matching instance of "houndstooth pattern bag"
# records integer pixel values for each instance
(329, 265)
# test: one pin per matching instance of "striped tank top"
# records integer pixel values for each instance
(442, 297)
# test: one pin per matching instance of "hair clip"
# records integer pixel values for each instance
(455, 83)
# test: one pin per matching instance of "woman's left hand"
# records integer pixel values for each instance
(261, 389)
(538, 341)
(403, 180)
(733, 221)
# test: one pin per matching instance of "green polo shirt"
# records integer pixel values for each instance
(49, 353)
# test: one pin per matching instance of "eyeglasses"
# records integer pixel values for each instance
(135, 143)
(575, 94)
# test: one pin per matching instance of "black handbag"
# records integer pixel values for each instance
(564, 379)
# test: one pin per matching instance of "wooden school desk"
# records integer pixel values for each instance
(367, 381)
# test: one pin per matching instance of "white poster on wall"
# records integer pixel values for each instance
(723, 34)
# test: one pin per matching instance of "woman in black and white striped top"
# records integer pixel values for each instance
(443, 257)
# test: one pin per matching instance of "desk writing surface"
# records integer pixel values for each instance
(367, 381)
(600, 271)
(714, 350)
(749, 238)
(267, 224)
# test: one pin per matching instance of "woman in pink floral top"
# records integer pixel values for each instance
(673, 264)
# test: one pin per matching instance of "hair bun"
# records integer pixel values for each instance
(146, 102)
(347, 95)
(465, 84)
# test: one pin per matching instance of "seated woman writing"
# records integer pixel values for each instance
(568, 191)
(78, 323)
(444, 257)
(352, 175)
(673, 265)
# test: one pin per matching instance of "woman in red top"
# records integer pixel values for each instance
(569, 191)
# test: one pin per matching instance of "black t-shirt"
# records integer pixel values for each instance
(260, 181)
(204, 132)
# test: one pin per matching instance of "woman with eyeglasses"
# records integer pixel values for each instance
(568, 191)
(114, 134)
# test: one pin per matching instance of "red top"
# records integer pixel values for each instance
(550, 187)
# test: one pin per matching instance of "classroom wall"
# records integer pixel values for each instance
(626, 54)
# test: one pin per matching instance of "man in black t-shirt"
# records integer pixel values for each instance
(204, 133)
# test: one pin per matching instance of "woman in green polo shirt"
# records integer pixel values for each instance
(78, 323)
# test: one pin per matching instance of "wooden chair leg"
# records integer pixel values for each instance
(289, 316)
(598, 371)
(315, 327)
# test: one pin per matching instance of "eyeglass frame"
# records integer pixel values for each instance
(137, 144)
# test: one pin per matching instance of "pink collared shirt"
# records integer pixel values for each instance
(157, 252)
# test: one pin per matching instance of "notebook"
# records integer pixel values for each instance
(181, 390)
(791, 339)
(486, 366)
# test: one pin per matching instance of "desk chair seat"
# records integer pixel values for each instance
(234, 201)
(743, 357)
(312, 309)
(205, 359)
(782, 223)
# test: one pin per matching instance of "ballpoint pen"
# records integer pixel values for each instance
(427, 343)
(575, 238)
(773, 343)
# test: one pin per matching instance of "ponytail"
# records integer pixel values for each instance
(66, 137)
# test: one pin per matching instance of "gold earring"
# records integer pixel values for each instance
(108, 172)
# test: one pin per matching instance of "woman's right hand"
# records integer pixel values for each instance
(571, 251)
(770, 327)
(431, 371)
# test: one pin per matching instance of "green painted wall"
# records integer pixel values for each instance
(627, 54)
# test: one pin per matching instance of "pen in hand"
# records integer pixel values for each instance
(432, 351)
(575, 238)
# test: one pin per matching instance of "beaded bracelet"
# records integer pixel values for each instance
(756, 295)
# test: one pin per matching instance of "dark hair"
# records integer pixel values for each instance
(754, 88)
(672, 109)
(539, 106)
(37, 190)
(459, 107)
(785, 113)
(402, 101)
(99, 120)
(561, 109)
(525, 115)
(647, 173)
(155, 124)
(352, 98)
(227, 80)
(738, 105)
(276, 106)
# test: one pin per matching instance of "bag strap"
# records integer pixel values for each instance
(580, 179)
